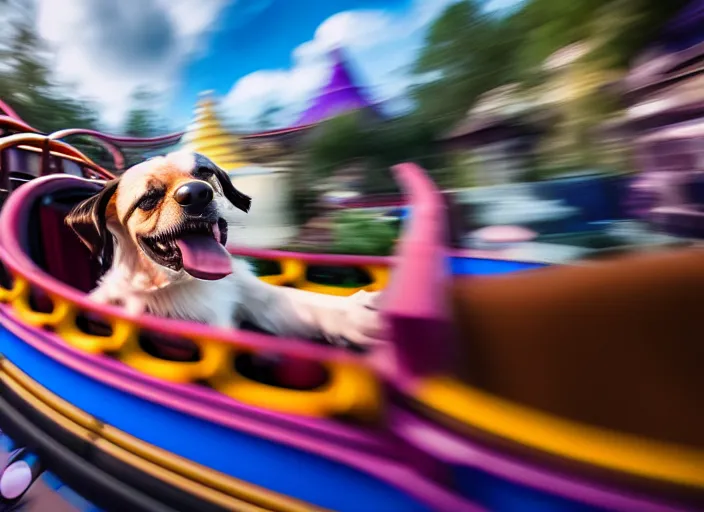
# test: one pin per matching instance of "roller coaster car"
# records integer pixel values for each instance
(570, 383)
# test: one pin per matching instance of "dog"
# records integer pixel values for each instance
(160, 232)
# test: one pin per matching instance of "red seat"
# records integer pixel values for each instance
(64, 256)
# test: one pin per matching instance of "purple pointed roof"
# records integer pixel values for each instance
(689, 17)
(339, 95)
(686, 29)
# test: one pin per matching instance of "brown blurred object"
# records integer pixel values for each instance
(617, 344)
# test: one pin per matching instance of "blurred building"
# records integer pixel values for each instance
(664, 121)
(499, 133)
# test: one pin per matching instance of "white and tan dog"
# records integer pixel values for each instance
(160, 231)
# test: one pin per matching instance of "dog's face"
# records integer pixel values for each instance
(174, 210)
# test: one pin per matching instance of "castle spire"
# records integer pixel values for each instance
(339, 95)
(208, 137)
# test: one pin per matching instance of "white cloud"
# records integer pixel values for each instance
(290, 88)
(109, 49)
(381, 45)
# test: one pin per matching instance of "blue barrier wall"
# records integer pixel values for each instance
(598, 198)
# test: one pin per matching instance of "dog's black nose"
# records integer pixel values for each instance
(194, 195)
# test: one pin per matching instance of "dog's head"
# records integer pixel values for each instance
(172, 211)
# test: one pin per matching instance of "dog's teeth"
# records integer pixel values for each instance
(216, 232)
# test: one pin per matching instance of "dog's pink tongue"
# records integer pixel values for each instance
(204, 258)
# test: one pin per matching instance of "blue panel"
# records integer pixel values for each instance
(75, 499)
(270, 465)
(482, 267)
(596, 197)
(6, 444)
(500, 495)
(51, 480)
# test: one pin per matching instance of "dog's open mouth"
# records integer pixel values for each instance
(198, 247)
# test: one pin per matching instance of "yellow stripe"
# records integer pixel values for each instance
(178, 481)
(608, 449)
(209, 477)
(124, 456)
(178, 471)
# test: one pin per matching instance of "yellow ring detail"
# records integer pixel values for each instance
(292, 271)
(123, 332)
(379, 275)
(352, 390)
(571, 440)
(7, 296)
(61, 309)
(214, 357)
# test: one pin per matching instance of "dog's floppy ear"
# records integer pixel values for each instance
(89, 221)
(237, 198)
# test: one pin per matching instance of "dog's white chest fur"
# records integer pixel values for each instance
(243, 296)
(213, 302)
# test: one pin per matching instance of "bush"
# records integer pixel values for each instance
(379, 144)
(363, 233)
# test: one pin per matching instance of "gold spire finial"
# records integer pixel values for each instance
(208, 137)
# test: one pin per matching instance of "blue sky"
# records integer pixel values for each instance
(264, 37)
(252, 53)
(257, 33)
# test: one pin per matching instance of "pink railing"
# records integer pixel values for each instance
(112, 143)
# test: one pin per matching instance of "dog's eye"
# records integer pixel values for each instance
(203, 172)
(149, 202)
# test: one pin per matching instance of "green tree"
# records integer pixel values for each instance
(27, 86)
(142, 121)
(466, 53)
(26, 83)
(338, 141)
(406, 138)
(621, 28)
(354, 137)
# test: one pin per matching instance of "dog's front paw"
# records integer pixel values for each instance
(359, 322)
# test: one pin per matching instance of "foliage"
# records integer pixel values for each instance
(26, 83)
(362, 233)
(467, 53)
(141, 122)
(353, 137)
(27, 86)
(463, 170)
(621, 27)
(337, 142)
